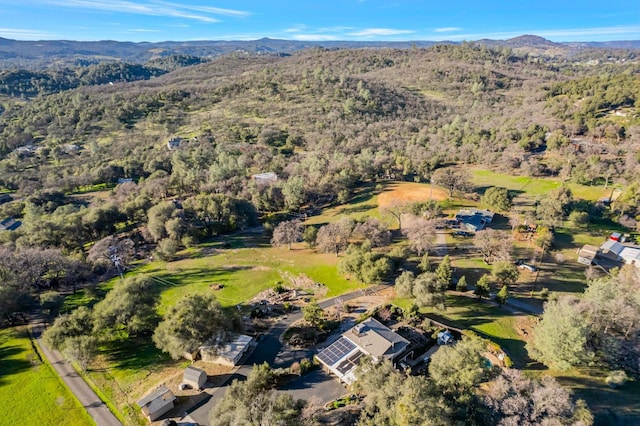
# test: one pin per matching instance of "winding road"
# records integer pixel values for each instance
(87, 397)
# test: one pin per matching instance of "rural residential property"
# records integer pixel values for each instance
(321, 213)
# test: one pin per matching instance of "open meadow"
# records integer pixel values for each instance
(30, 390)
(370, 198)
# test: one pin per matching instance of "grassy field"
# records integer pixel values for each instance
(369, 198)
(245, 272)
(30, 391)
(246, 265)
(533, 187)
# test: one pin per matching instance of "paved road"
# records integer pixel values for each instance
(94, 406)
(270, 350)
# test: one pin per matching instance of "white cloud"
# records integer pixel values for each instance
(447, 29)
(372, 32)
(25, 34)
(334, 29)
(207, 9)
(295, 29)
(143, 30)
(152, 8)
(315, 37)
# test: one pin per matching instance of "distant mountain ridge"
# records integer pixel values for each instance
(38, 54)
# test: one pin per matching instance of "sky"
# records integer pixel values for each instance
(369, 20)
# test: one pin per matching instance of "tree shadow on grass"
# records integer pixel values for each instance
(356, 209)
(478, 313)
(610, 406)
(189, 276)
(562, 239)
(9, 365)
(135, 354)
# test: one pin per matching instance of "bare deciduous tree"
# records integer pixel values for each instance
(494, 245)
(421, 235)
(334, 237)
(288, 232)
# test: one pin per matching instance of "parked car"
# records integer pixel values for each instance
(527, 267)
(462, 234)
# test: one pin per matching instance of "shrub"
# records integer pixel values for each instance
(296, 369)
(544, 293)
(166, 249)
(306, 365)
(189, 241)
(616, 379)
(279, 288)
(507, 361)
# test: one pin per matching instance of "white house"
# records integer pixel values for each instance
(631, 256)
(369, 338)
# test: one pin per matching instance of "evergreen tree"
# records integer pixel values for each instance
(503, 295)
(482, 287)
(462, 284)
(444, 272)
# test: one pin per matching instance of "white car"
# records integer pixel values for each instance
(529, 268)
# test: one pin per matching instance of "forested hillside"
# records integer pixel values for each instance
(324, 121)
(147, 172)
(400, 112)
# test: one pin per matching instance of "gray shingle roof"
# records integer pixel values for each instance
(155, 395)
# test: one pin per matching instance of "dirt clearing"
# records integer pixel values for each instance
(408, 192)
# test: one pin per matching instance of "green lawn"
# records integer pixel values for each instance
(490, 322)
(128, 369)
(30, 391)
(244, 265)
(363, 203)
(534, 187)
(245, 272)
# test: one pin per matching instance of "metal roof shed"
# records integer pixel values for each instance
(194, 377)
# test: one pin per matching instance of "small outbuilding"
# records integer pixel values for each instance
(229, 353)
(265, 178)
(587, 254)
(194, 377)
(157, 403)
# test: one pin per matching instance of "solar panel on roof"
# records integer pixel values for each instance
(351, 362)
(336, 351)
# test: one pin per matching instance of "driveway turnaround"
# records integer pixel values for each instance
(94, 405)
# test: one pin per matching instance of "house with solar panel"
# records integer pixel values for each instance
(369, 338)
